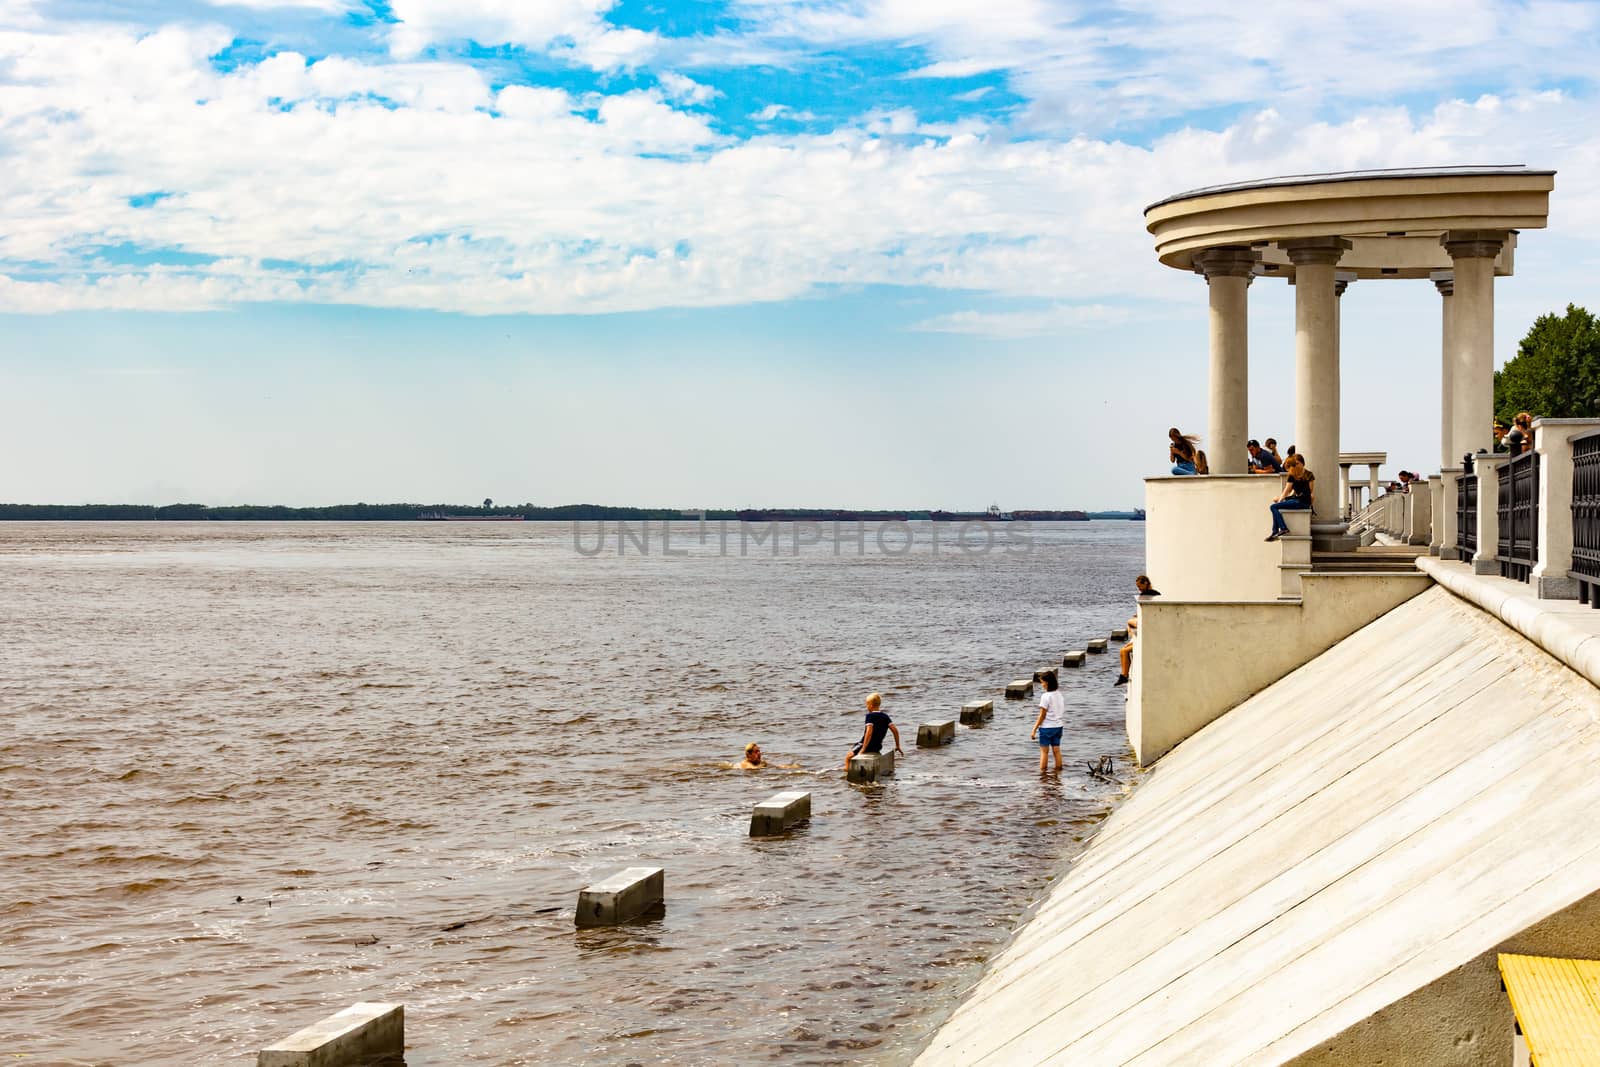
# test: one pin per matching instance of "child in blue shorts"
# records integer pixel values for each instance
(1052, 716)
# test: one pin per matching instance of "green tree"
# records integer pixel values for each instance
(1556, 371)
(487, 503)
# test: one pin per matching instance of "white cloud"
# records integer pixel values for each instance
(686, 90)
(1055, 319)
(576, 28)
(416, 184)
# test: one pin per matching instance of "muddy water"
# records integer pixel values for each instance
(251, 773)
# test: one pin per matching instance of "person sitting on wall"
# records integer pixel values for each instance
(1262, 461)
(1146, 590)
(877, 725)
(1201, 466)
(1270, 445)
(1180, 450)
(1296, 495)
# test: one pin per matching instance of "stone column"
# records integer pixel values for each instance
(1346, 499)
(1228, 272)
(1372, 481)
(1449, 454)
(1316, 350)
(1472, 255)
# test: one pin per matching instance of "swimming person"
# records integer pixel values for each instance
(752, 758)
(877, 724)
(1052, 718)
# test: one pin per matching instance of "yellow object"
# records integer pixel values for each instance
(1557, 1004)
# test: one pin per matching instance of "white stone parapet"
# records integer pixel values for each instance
(353, 1037)
(1552, 440)
(625, 895)
(780, 813)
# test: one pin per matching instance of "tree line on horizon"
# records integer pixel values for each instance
(363, 512)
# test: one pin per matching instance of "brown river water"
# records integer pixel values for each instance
(251, 773)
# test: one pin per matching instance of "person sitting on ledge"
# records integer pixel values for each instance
(1296, 495)
(877, 724)
(1141, 583)
(1271, 446)
(1262, 461)
(1200, 464)
(1180, 450)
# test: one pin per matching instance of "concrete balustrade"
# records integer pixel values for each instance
(1552, 440)
(871, 767)
(937, 734)
(1487, 468)
(780, 813)
(977, 712)
(1074, 658)
(625, 895)
(1021, 689)
(358, 1035)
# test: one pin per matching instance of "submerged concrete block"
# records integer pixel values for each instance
(871, 766)
(1021, 689)
(1073, 658)
(977, 713)
(1119, 634)
(780, 812)
(357, 1035)
(1095, 646)
(935, 734)
(625, 895)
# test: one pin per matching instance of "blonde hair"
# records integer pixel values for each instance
(750, 747)
(874, 701)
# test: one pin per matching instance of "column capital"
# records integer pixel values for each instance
(1315, 251)
(1473, 244)
(1342, 280)
(1444, 281)
(1227, 261)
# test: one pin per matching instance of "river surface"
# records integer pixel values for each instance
(251, 773)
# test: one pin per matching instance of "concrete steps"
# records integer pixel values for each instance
(1400, 559)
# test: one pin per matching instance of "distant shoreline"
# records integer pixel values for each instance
(526, 513)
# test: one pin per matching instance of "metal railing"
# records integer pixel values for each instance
(1518, 512)
(1467, 515)
(1586, 517)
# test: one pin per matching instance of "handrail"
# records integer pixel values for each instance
(1586, 517)
(1467, 515)
(1517, 509)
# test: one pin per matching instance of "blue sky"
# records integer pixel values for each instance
(761, 252)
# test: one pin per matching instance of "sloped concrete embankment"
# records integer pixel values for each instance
(1321, 871)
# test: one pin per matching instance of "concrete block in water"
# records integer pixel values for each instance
(1021, 689)
(935, 734)
(1073, 659)
(356, 1035)
(1120, 633)
(780, 812)
(625, 895)
(977, 713)
(1096, 645)
(871, 766)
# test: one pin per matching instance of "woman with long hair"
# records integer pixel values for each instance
(1180, 450)
(1296, 495)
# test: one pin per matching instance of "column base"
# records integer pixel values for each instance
(1486, 566)
(1449, 552)
(1333, 537)
(1547, 587)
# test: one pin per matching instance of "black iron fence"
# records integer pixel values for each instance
(1518, 513)
(1586, 517)
(1467, 515)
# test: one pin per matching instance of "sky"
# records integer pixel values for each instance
(718, 253)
